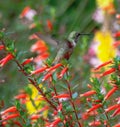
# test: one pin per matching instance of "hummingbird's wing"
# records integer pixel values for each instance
(47, 39)
(63, 49)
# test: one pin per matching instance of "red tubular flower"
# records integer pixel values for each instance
(55, 67)
(39, 46)
(117, 125)
(112, 91)
(40, 70)
(27, 61)
(116, 112)
(46, 76)
(41, 57)
(63, 72)
(33, 36)
(17, 123)
(11, 109)
(4, 123)
(113, 107)
(116, 43)
(94, 107)
(102, 65)
(25, 11)
(111, 70)
(11, 116)
(62, 96)
(21, 96)
(49, 25)
(117, 34)
(35, 117)
(6, 59)
(95, 123)
(88, 93)
(53, 124)
(2, 47)
(43, 109)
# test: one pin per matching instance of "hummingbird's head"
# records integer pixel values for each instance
(73, 37)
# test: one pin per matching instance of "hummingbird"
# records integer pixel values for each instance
(65, 49)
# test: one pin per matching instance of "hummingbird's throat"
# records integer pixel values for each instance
(73, 43)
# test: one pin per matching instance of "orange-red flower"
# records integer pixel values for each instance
(62, 96)
(117, 125)
(54, 123)
(11, 109)
(94, 107)
(116, 112)
(2, 47)
(92, 92)
(11, 116)
(17, 123)
(63, 72)
(117, 34)
(43, 109)
(35, 117)
(33, 36)
(49, 25)
(21, 96)
(25, 11)
(111, 70)
(95, 123)
(113, 107)
(28, 13)
(41, 57)
(116, 43)
(54, 67)
(48, 75)
(111, 92)
(27, 61)
(6, 59)
(103, 64)
(39, 47)
(40, 70)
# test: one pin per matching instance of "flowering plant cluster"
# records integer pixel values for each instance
(99, 106)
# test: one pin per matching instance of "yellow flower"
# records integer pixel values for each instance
(35, 101)
(104, 3)
(105, 50)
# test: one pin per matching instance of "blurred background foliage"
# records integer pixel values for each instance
(66, 16)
